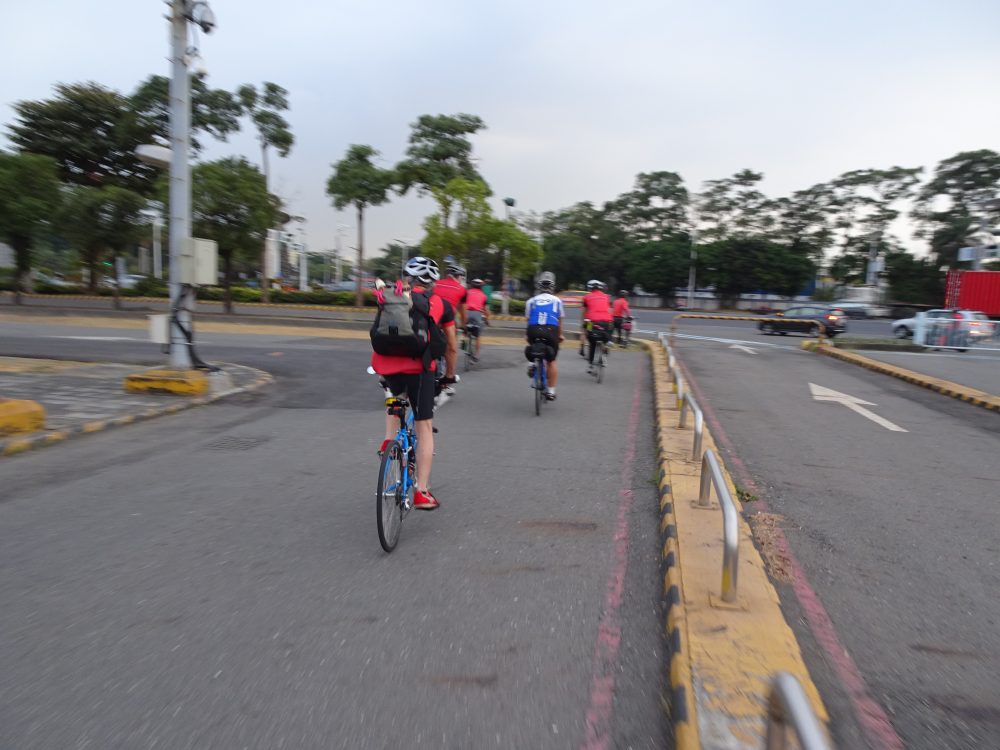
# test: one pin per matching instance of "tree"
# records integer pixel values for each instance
(914, 280)
(358, 182)
(29, 195)
(264, 108)
(948, 206)
(659, 266)
(213, 111)
(231, 205)
(753, 264)
(734, 208)
(91, 133)
(656, 208)
(581, 243)
(439, 151)
(806, 221)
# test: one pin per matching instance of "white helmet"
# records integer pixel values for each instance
(423, 269)
(594, 284)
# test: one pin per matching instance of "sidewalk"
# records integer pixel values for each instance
(84, 397)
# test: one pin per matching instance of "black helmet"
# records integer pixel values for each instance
(546, 281)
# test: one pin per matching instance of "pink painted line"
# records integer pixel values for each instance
(600, 712)
(874, 723)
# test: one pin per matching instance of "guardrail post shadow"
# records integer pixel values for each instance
(711, 475)
(788, 705)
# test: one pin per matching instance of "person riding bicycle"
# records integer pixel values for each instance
(477, 311)
(415, 376)
(544, 313)
(453, 291)
(596, 308)
(619, 311)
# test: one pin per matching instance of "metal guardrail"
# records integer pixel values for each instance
(788, 706)
(711, 474)
(687, 400)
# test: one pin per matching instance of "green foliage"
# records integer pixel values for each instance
(152, 287)
(264, 108)
(514, 306)
(29, 196)
(213, 111)
(90, 131)
(739, 266)
(734, 208)
(659, 267)
(656, 208)
(581, 243)
(439, 151)
(914, 280)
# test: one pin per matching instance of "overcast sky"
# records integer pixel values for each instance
(578, 96)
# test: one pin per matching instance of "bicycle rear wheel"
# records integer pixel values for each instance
(389, 497)
(539, 386)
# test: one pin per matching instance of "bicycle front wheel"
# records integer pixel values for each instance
(389, 497)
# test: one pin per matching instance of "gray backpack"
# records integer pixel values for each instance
(403, 326)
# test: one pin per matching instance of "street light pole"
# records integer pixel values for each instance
(180, 181)
(505, 304)
(691, 272)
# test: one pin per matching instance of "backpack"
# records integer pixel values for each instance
(403, 326)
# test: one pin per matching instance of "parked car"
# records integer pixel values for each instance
(128, 281)
(832, 318)
(969, 325)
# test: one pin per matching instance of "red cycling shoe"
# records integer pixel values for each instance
(425, 500)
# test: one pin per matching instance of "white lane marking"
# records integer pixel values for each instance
(97, 338)
(746, 349)
(855, 404)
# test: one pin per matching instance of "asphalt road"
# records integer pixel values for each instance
(214, 579)
(895, 535)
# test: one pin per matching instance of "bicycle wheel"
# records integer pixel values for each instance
(389, 497)
(538, 387)
(599, 361)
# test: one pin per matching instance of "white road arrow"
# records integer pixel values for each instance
(746, 349)
(819, 393)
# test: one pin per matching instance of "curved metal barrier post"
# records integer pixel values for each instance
(712, 474)
(699, 422)
(788, 705)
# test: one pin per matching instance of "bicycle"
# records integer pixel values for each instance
(469, 346)
(397, 476)
(540, 377)
(600, 350)
(627, 331)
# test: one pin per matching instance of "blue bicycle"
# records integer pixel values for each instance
(397, 475)
(540, 379)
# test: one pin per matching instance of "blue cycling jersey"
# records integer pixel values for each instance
(543, 310)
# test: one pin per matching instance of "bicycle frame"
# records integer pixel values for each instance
(407, 440)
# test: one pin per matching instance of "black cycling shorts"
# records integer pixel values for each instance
(419, 389)
(548, 334)
(600, 330)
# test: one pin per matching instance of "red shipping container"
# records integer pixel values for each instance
(974, 290)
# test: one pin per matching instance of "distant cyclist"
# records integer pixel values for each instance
(452, 290)
(415, 376)
(544, 312)
(619, 311)
(477, 310)
(596, 307)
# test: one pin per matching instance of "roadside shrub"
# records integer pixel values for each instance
(43, 287)
(150, 287)
(514, 306)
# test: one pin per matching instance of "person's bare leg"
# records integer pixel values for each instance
(553, 374)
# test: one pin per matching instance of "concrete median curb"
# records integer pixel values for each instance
(972, 396)
(721, 658)
(13, 446)
(19, 415)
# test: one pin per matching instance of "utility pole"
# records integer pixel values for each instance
(691, 272)
(180, 183)
(505, 304)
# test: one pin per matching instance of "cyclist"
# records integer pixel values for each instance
(477, 311)
(544, 312)
(453, 291)
(411, 375)
(619, 311)
(596, 307)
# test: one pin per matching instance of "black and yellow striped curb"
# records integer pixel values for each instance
(178, 382)
(14, 446)
(266, 305)
(679, 703)
(964, 393)
(20, 415)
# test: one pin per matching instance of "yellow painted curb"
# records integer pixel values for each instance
(17, 415)
(179, 382)
(722, 658)
(973, 396)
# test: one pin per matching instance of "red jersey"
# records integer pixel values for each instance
(597, 306)
(385, 364)
(620, 308)
(475, 300)
(451, 290)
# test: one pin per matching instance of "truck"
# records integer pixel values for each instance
(973, 290)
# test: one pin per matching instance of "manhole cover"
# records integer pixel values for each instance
(236, 443)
